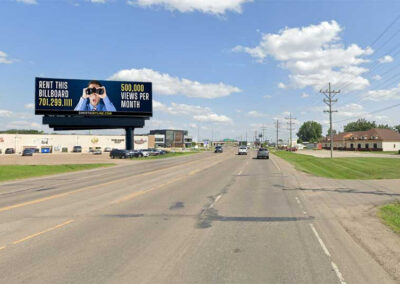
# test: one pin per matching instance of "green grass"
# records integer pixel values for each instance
(344, 168)
(390, 214)
(168, 155)
(12, 172)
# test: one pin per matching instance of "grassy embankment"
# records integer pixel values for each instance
(12, 172)
(168, 155)
(390, 214)
(344, 168)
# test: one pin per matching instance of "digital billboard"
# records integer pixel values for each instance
(93, 97)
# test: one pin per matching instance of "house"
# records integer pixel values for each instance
(376, 139)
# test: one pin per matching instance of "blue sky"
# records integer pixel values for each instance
(218, 67)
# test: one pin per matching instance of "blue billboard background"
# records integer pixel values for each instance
(108, 98)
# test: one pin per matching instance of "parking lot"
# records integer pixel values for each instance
(62, 158)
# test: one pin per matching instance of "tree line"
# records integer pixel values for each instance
(311, 131)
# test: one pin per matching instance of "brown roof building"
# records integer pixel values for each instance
(376, 139)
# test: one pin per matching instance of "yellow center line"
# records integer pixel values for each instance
(2, 247)
(42, 232)
(35, 201)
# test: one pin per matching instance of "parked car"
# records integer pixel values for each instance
(77, 149)
(218, 149)
(28, 152)
(144, 152)
(153, 152)
(242, 150)
(9, 151)
(263, 153)
(107, 149)
(121, 154)
(97, 152)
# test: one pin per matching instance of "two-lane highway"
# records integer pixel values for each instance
(206, 218)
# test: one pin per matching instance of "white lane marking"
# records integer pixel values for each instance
(325, 249)
(276, 165)
(215, 201)
(304, 212)
(338, 274)
(240, 173)
(298, 201)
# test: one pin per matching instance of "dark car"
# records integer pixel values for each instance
(263, 153)
(218, 149)
(135, 154)
(77, 149)
(121, 154)
(9, 151)
(28, 152)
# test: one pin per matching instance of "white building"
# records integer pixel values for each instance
(376, 139)
(57, 143)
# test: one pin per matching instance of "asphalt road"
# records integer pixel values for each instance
(205, 218)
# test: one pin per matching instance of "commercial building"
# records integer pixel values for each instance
(53, 143)
(172, 138)
(376, 139)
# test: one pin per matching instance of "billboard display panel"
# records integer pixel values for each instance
(93, 97)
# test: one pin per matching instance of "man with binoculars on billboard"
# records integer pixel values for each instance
(94, 98)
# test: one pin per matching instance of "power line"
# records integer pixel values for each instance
(329, 100)
(290, 123)
(372, 112)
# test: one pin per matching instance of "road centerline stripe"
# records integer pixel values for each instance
(43, 232)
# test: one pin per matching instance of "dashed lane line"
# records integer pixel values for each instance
(326, 251)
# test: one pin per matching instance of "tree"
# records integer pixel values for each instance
(397, 128)
(22, 131)
(329, 132)
(310, 131)
(359, 125)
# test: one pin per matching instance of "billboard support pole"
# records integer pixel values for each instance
(129, 132)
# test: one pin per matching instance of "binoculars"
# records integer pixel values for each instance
(90, 91)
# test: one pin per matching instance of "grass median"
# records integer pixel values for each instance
(344, 168)
(12, 172)
(390, 214)
(168, 155)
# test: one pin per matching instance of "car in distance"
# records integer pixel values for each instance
(77, 149)
(97, 152)
(218, 149)
(262, 153)
(9, 151)
(107, 149)
(242, 150)
(28, 152)
(120, 154)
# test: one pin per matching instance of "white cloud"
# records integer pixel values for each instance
(305, 95)
(313, 55)
(198, 113)
(24, 124)
(98, 1)
(5, 113)
(30, 2)
(267, 97)
(217, 7)
(377, 77)
(30, 106)
(167, 85)
(386, 59)
(281, 86)
(254, 113)
(383, 95)
(4, 58)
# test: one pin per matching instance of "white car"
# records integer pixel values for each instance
(145, 153)
(242, 150)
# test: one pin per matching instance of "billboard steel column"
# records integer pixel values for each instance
(129, 136)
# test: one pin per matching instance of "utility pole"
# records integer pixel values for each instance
(329, 99)
(290, 123)
(277, 133)
(263, 128)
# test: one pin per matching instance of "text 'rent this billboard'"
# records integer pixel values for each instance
(93, 97)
